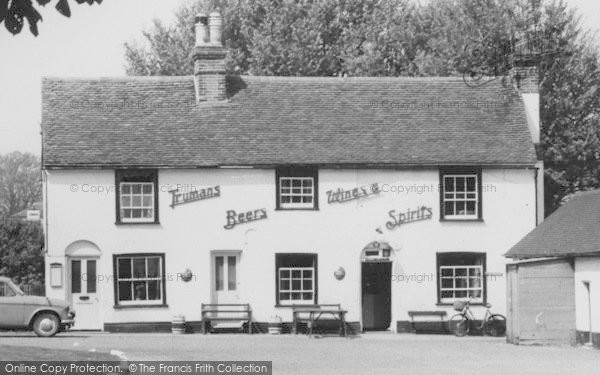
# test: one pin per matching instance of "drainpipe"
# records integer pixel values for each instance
(590, 342)
(45, 208)
(537, 212)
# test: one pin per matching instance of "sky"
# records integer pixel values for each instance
(90, 44)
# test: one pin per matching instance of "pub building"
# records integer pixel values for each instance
(166, 193)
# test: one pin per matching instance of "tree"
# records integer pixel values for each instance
(324, 38)
(21, 256)
(570, 107)
(20, 182)
(308, 38)
(167, 50)
(569, 78)
(405, 38)
(13, 13)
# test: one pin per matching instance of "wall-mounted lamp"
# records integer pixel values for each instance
(186, 275)
(340, 273)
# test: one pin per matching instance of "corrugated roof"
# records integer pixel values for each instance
(573, 229)
(155, 122)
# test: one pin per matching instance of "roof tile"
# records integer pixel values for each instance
(573, 229)
(154, 121)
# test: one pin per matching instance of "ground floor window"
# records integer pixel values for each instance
(296, 276)
(140, 279)
(461, 276)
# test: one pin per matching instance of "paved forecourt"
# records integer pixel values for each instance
(378, 353)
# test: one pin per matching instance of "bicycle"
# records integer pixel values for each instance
(491, 325)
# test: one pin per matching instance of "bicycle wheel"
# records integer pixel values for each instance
(459, 324)
(495, 325)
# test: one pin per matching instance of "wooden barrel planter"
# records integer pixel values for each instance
(178, 325)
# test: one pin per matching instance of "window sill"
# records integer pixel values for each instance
(138, 223)
(292, 306)
(121, 307)
(461, 220)
(297, 209)
(446, 304)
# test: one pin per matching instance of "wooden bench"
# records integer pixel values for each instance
(226, 312)
(304, 314)
(439, 314)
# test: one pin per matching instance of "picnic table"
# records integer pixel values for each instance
(316, 313)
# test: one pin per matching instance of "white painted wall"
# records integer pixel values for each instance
(337, 232)
(587, 269)
(532, 108)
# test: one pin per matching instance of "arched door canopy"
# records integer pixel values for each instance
(377, 252)
(83, 248)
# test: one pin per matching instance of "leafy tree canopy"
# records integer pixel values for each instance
(14, 12)
(21, 255)
(21, 243)
(20, 182)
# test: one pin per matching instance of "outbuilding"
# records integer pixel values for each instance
(554, 284)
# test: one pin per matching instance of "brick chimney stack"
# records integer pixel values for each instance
(209, 59)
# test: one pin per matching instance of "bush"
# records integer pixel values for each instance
(21, 251)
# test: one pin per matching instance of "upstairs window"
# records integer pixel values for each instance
(460, 194)
(137, 196)
(297, 188)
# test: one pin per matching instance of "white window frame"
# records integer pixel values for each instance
(301, 290)
(122, 208)
(291, 194)
(454, 199)
(467, 289)
(132, 279)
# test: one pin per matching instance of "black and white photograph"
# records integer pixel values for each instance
(299, 187)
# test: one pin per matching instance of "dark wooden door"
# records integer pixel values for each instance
(376, 295)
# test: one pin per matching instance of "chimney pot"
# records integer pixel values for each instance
(209, 59)
(215, 21)
(201, 29)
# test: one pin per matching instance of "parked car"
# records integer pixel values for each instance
(45, 316)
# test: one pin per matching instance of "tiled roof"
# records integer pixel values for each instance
(573, 229)
(154, 121)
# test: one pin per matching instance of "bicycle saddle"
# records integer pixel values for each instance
(488, 305)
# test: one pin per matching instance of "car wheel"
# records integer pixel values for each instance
(46, 325)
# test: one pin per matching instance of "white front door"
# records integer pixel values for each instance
(225, 277)
(84, 293)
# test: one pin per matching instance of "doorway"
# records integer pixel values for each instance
(84, 293)
(225, 283)
(376, 295)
